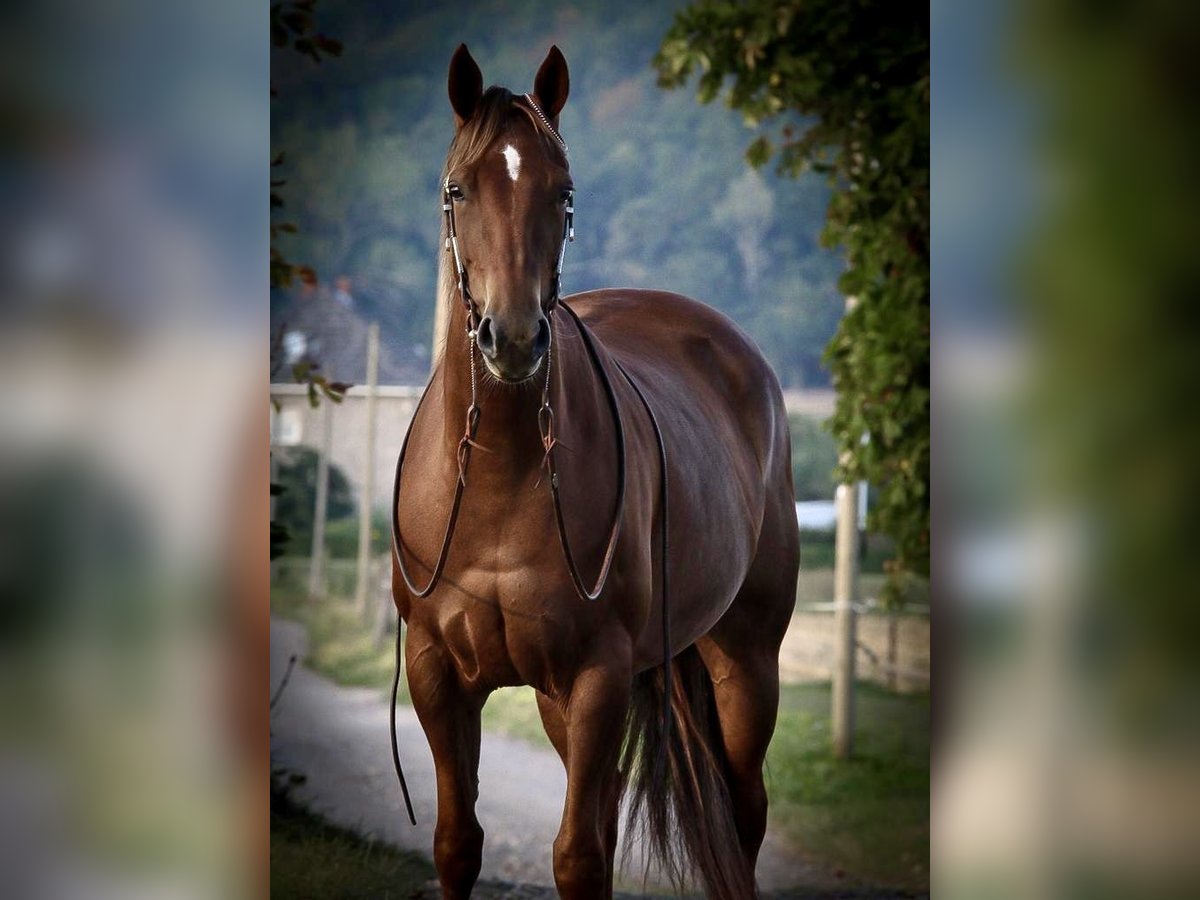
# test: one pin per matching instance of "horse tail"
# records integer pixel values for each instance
(680, 807)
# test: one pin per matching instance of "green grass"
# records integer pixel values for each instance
(343, 649)
(816, 586)
(868, 816)
(312, 858)
(341, 646)
(817, 550)
(513, 712)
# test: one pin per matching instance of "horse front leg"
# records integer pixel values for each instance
(556, 729)
(450, 717)
(595, 724)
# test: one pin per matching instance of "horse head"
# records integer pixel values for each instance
(507, 193)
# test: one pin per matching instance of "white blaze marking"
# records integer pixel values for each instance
(513, 158)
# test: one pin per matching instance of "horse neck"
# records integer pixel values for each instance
(508, 425)
(508, 415)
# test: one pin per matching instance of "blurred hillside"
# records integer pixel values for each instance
(664, 197)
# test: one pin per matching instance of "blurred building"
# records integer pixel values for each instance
(295, 423)
(327, 325)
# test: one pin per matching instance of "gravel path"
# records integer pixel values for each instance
(337, 738)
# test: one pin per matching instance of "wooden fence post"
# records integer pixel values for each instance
(845, 594)
(366, 502)
(316, 569)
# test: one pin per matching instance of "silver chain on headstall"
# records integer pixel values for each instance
(541, 115)
(569, 226)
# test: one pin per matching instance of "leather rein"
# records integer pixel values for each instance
(547, 433)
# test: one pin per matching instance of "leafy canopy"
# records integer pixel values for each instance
(842, 89)
(663, 200)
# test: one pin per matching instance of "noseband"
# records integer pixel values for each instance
(546, 431)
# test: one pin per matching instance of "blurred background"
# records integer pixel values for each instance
(1065, 363)
(666, 198)
(134, 457)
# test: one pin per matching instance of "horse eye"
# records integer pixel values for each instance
(567, 195)
(455, 192)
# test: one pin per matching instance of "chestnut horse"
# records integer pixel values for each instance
(588, 406)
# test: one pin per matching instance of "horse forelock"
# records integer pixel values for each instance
(492, 116)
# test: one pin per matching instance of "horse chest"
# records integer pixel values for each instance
(500, 629)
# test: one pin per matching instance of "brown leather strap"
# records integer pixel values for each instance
(545, 425)
(463, 454)
(392, 721)
(664, 499)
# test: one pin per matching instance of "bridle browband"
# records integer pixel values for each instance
(546, 431)
(549, 127)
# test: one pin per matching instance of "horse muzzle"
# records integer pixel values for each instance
(513, 353)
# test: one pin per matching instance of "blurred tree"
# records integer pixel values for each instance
(296, 477)
(1112, 270)
(748, 210)
(846, 85)
(366, 139)
(341, 535)
(814, 457)
(294, 27)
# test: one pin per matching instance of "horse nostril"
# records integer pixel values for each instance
(486, 337)
(541, 343)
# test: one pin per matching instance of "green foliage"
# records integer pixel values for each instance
(341, 536)
(875, 551)
(513, 712)
(814, 457)
(341, 643)
(279, 532)
(295, 490)
(847, 87)
(308, 372)
(293, 26)
(1109, 395)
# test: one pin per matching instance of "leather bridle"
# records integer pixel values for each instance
(460, 269)
(549, 442)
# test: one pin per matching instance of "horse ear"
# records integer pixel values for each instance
(552, 84)
(466, 84)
